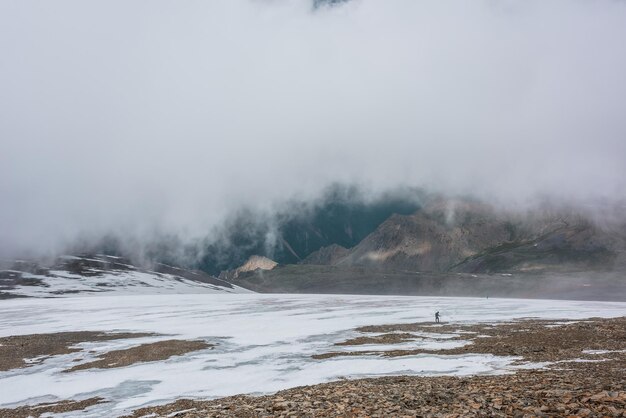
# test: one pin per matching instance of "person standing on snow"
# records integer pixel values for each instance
(437, 317)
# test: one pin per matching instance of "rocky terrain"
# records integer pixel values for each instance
(509, 356)
(14, 350)
(98, 274)
(158, 351)
(45, 409)
(583, 391)
(21, 351)
(538, 341)
(583, 376)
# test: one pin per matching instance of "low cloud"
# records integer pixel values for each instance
(155, 118)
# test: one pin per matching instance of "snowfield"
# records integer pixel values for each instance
(104, 274)
(263, 343)
(59, 283)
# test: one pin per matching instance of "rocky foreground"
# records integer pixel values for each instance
(563, 368)
(574, 382)
(526, 394)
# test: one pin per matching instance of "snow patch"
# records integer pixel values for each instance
(263, 343)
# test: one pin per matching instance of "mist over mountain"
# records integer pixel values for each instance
(411, 230)
(461, 235)
(461, 246)
(186, 129)
(344, 215)
(312, 208)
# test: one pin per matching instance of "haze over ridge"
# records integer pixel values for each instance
(152, 118)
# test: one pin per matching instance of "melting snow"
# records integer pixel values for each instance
(263, 343)
(61, 283)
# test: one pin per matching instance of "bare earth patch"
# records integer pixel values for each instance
(56, 407)
(566, 388)
(36, 347)
(15, 349)
(533, 340)
(393, 338)
(161, 350)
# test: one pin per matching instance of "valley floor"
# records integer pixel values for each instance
(139, 356)
(576, 383)
(584, 390)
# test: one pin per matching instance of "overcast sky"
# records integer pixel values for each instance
(140, 116)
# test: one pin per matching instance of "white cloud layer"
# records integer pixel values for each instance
(145, 116)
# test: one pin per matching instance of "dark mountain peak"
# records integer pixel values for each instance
(326, 255)
(472, 236)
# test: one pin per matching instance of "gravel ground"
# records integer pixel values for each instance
(585, 390)
(533, 340)
(574, 383)
(161, 350)
(46, 408)
(595, 387)
(14, 349)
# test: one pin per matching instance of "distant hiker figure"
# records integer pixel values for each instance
(437, 316)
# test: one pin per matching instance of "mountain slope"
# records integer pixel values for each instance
(343, 216)
(468, 236)
(102, 274)
(326, 255)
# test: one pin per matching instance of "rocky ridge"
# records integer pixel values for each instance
(468, 236)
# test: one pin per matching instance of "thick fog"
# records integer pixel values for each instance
(152, 117)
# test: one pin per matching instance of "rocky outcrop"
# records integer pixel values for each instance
(326, 255)
(254, 263)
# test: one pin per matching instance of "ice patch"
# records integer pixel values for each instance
(264, 342)
(602, 351)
